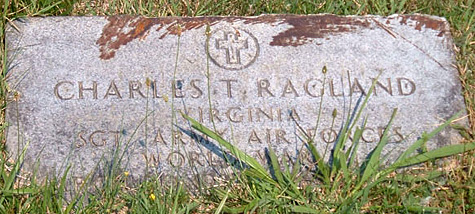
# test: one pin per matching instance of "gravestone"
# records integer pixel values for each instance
(84, 87)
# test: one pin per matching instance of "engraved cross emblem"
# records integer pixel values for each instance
(232, 48)
(233, 44)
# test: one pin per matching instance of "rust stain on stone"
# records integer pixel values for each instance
(427, 22)
(307, 27)
(121, 30)
(184, 24)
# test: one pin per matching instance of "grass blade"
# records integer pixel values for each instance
(370, 167)
(175, 202)
(44, 10)
(321, 165)
(221, 205)
(411, 178)
(437, 153)
(21, 191)
(276, 166)
(62, 187)
(302, 209)
(258, 169)
(343, 166)
(354, 146)
(349, 125)
(16, 169)
(189, 208)
(425, 138)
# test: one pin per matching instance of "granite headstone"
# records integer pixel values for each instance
(84, 87)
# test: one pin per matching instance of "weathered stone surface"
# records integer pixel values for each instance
(84, 85)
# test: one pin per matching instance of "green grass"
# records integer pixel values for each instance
(340, 186)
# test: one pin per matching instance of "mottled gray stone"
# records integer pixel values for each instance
(259, 71)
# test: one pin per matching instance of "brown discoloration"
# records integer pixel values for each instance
(427, 22)
(121, 30)
(184, 24)
(307, 27)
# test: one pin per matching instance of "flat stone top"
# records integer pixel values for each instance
(83, 85)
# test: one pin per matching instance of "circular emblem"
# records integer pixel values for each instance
(232, 48)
